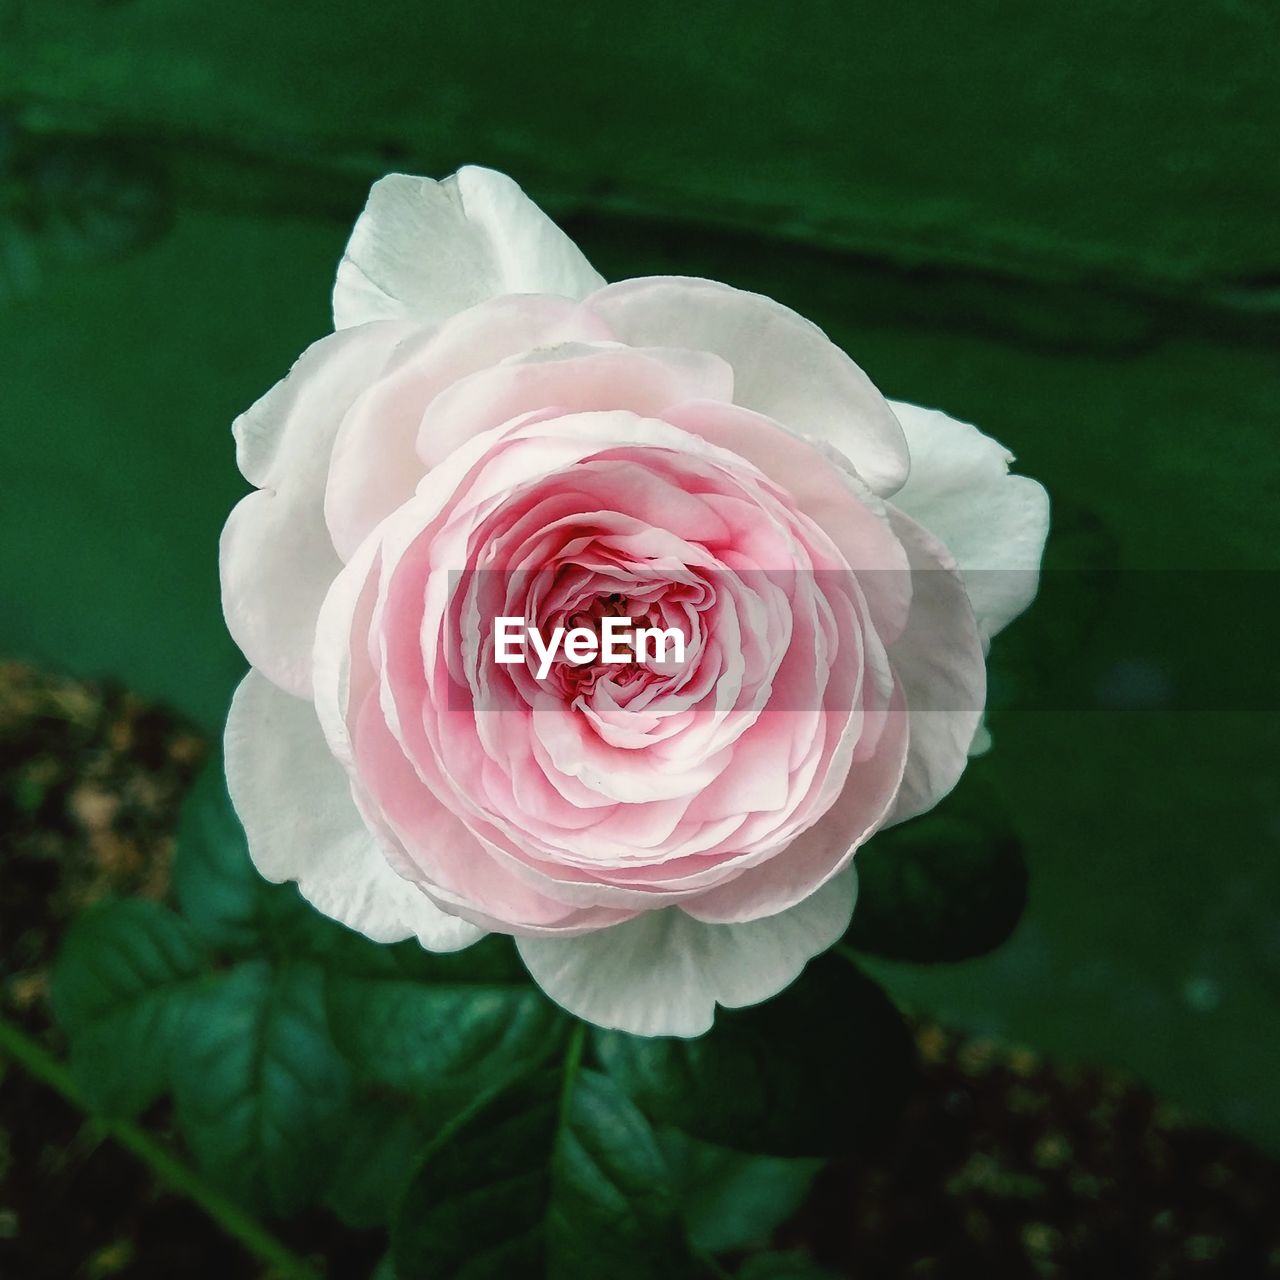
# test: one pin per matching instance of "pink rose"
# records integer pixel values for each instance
(492, 431)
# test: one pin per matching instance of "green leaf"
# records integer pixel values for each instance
(429, 1024)
(948, 885)
(784, 1266)
(217, 886)
(122, 986)
(382, 1143)
(262, 1094)
(818, 1070)
(557, 1176)
(729, 1200)
(230, 905)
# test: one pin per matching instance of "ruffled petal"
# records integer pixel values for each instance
(301, 823)
(277, 559)
(825, 850)
(663, 973)
(573, 377)
(376, 466)
(426, 250)
(940, 665)
(993, 523)
(784, 367)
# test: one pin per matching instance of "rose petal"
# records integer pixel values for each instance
(826, 849)
(574, 378)
(277, 559)
(301, 823)
(852, 517)
(940, 663)
(375, 464)
(426, 250)
(783, 366)
(663, 973)
(993, 523)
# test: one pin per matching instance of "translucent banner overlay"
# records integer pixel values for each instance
(1117, 640)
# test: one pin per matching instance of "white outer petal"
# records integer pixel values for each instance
(276, 557)
(663, 973)
(994, 523)
(426, 250)
(784, 366)
(940, 663)
(301, 823)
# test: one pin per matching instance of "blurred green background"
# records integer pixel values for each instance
(1059, 222)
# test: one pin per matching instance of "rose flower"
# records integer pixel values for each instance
(494, 432)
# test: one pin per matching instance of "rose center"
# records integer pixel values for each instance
(580, 678)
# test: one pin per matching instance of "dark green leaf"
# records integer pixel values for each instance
(948, 885)
(557, 1176)
(815, 1071)
(262, 1093)
(426, 1024)
(225, 897)
(216, 884)
(382, 1143)
(729, 1200)
(121, 989)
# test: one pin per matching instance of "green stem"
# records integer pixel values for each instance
(37, 1062)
